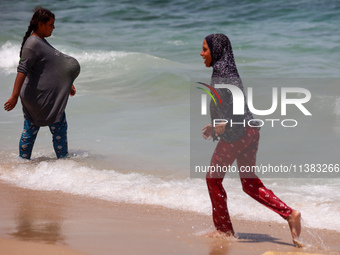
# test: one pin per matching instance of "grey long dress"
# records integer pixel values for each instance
(50, 75)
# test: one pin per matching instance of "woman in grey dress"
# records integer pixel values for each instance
(44, 82)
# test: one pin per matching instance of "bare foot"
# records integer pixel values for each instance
(294, 221)
(220, 234)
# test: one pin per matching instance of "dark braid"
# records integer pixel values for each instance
(40, 14)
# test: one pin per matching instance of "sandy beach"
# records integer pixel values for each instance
(50, 222)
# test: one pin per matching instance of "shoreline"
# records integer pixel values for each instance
(83, 225)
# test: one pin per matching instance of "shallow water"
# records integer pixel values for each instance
(129, 124)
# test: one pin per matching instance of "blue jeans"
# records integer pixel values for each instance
(29, 134)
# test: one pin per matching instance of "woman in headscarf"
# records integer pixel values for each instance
(236, 142)
(44, 82)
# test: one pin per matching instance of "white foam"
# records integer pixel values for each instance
(9, 57)
(71, 177)
(187, 194)
(176, 42)
(110, 58)
(100, 56)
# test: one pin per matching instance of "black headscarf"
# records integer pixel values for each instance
(225, 72)
(223, 61)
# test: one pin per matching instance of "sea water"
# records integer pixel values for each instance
(129, 123)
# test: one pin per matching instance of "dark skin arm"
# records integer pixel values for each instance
(12, 101)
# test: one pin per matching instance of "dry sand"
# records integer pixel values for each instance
(51, 222)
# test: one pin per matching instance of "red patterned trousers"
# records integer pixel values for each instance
(244, 151)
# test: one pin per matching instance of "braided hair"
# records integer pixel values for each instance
(40, 14)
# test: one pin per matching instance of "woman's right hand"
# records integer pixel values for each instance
(207, 132)
(72, 91)
(11, 103)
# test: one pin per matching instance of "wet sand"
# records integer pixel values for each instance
(52, 222)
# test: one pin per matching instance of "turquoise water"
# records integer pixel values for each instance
(129, 122)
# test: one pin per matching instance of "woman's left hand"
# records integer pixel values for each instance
(207, 132)
(220, 129)
(72, 91)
